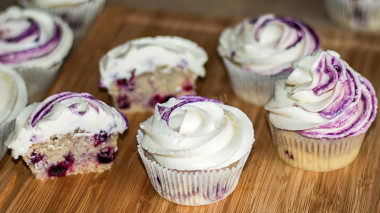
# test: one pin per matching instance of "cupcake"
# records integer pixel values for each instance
(79, 14)
(34, 43)
(319, 116)
(355, 14)
(257, 52)
(146, 71)
(67, 134)
(194, 149)
(13, 100)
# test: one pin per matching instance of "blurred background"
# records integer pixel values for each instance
(309, 11)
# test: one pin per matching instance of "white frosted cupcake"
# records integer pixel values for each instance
(67, 134)
(355, 14)
(34, 43)
(194, 149)
(13, 99)
(320, 114)
(79, 14)
(257, 52)
(146, 71)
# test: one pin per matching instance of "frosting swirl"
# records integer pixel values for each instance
(31, 37)
(196, 133)
(147, 54)
(323, 98)
(269, 44)
(13, 94)
(61, 114)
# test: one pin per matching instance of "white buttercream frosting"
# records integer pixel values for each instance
(267, 45)
(200, 135)
(323, 98)
(13, 94)
(38, 29)
(81, 112)
(146, 54)
(57, 3)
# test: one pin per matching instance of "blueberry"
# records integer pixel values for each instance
(106, 155)
(36, 157)
(123, 101)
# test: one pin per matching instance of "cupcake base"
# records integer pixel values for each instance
(251, 87)
(313, 154)
(192, 187)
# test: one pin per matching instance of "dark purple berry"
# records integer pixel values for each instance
(187, 86)
(128, 84)
(100, 138)
(159, 98)
(106, 155)
(36, 157)
(69, 159)
(289, 154)
(123, 101)
(58, 170)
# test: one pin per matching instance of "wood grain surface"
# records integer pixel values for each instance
(266, 185)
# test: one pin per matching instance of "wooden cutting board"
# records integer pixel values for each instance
(266, 184)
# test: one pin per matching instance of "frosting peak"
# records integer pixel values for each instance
(61, 114)
(323, 98)
(269, 44)
(196, 133)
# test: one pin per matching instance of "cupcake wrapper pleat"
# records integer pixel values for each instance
(251, 87)
(5, 130)
(313, 154)
(38, 80)
(78, 17)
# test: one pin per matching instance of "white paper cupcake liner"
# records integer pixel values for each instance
(195, 187)
(79, 17)
(356, 15)
(5, 130)
(313, 154)
(38, 80)
(251, 87)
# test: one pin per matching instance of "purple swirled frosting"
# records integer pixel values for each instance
(269, 44)
(325, 99)
(27, 35)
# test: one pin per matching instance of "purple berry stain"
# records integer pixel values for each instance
(128, 84)
(106, 155)
(60, 169)
(187, 86)
(289, 154)
(36, 157)
(159, 98)
(100, 138)
(123, 101)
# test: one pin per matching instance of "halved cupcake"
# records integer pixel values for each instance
(67, 134)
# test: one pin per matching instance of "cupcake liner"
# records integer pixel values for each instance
(355, 15)
(196, 187)
(38, 80)
(313, 154)
(251, 87)
(79, 17)
(5, 130)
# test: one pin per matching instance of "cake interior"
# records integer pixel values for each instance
(72, 153)
(143, 92)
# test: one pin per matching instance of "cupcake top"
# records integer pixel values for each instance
(31, 38)
(57, 3)
(147, 54)
(196, 133)
(323, 98)
(269, 44)
(64, 113)
(13, 94)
